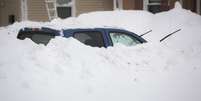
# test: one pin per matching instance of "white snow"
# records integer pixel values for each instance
(67, 70)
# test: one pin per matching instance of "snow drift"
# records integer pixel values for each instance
(67, 70)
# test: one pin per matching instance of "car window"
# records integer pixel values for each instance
(38, 37)
(92, 38)
(123, 38)
(41, 38)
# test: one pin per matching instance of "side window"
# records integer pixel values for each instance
(123, 38)
(92, 38)
(38, 37)
(41, 38)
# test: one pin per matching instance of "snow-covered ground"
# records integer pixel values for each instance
(67, 70)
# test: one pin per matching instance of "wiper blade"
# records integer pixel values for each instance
(146, 33)
(169, 35)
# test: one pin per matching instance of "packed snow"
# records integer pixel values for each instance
(67, 70)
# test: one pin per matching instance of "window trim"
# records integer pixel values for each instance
(102, 36)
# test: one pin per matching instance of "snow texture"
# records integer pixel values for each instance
(67, 70)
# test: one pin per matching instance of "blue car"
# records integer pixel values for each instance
(95, 37)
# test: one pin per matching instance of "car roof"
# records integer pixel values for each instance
(70, 31)
(43, 29)
(58, 32)
(97, 28)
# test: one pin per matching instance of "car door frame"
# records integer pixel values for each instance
(92, 30)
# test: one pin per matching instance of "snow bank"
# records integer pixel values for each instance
(67, 70)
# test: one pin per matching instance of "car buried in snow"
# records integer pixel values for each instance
(95, 37)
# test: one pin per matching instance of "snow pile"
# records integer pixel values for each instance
(173, 20)
(67, 70)
(136, 21)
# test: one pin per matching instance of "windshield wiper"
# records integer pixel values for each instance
(146, 33)
(169, 35)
